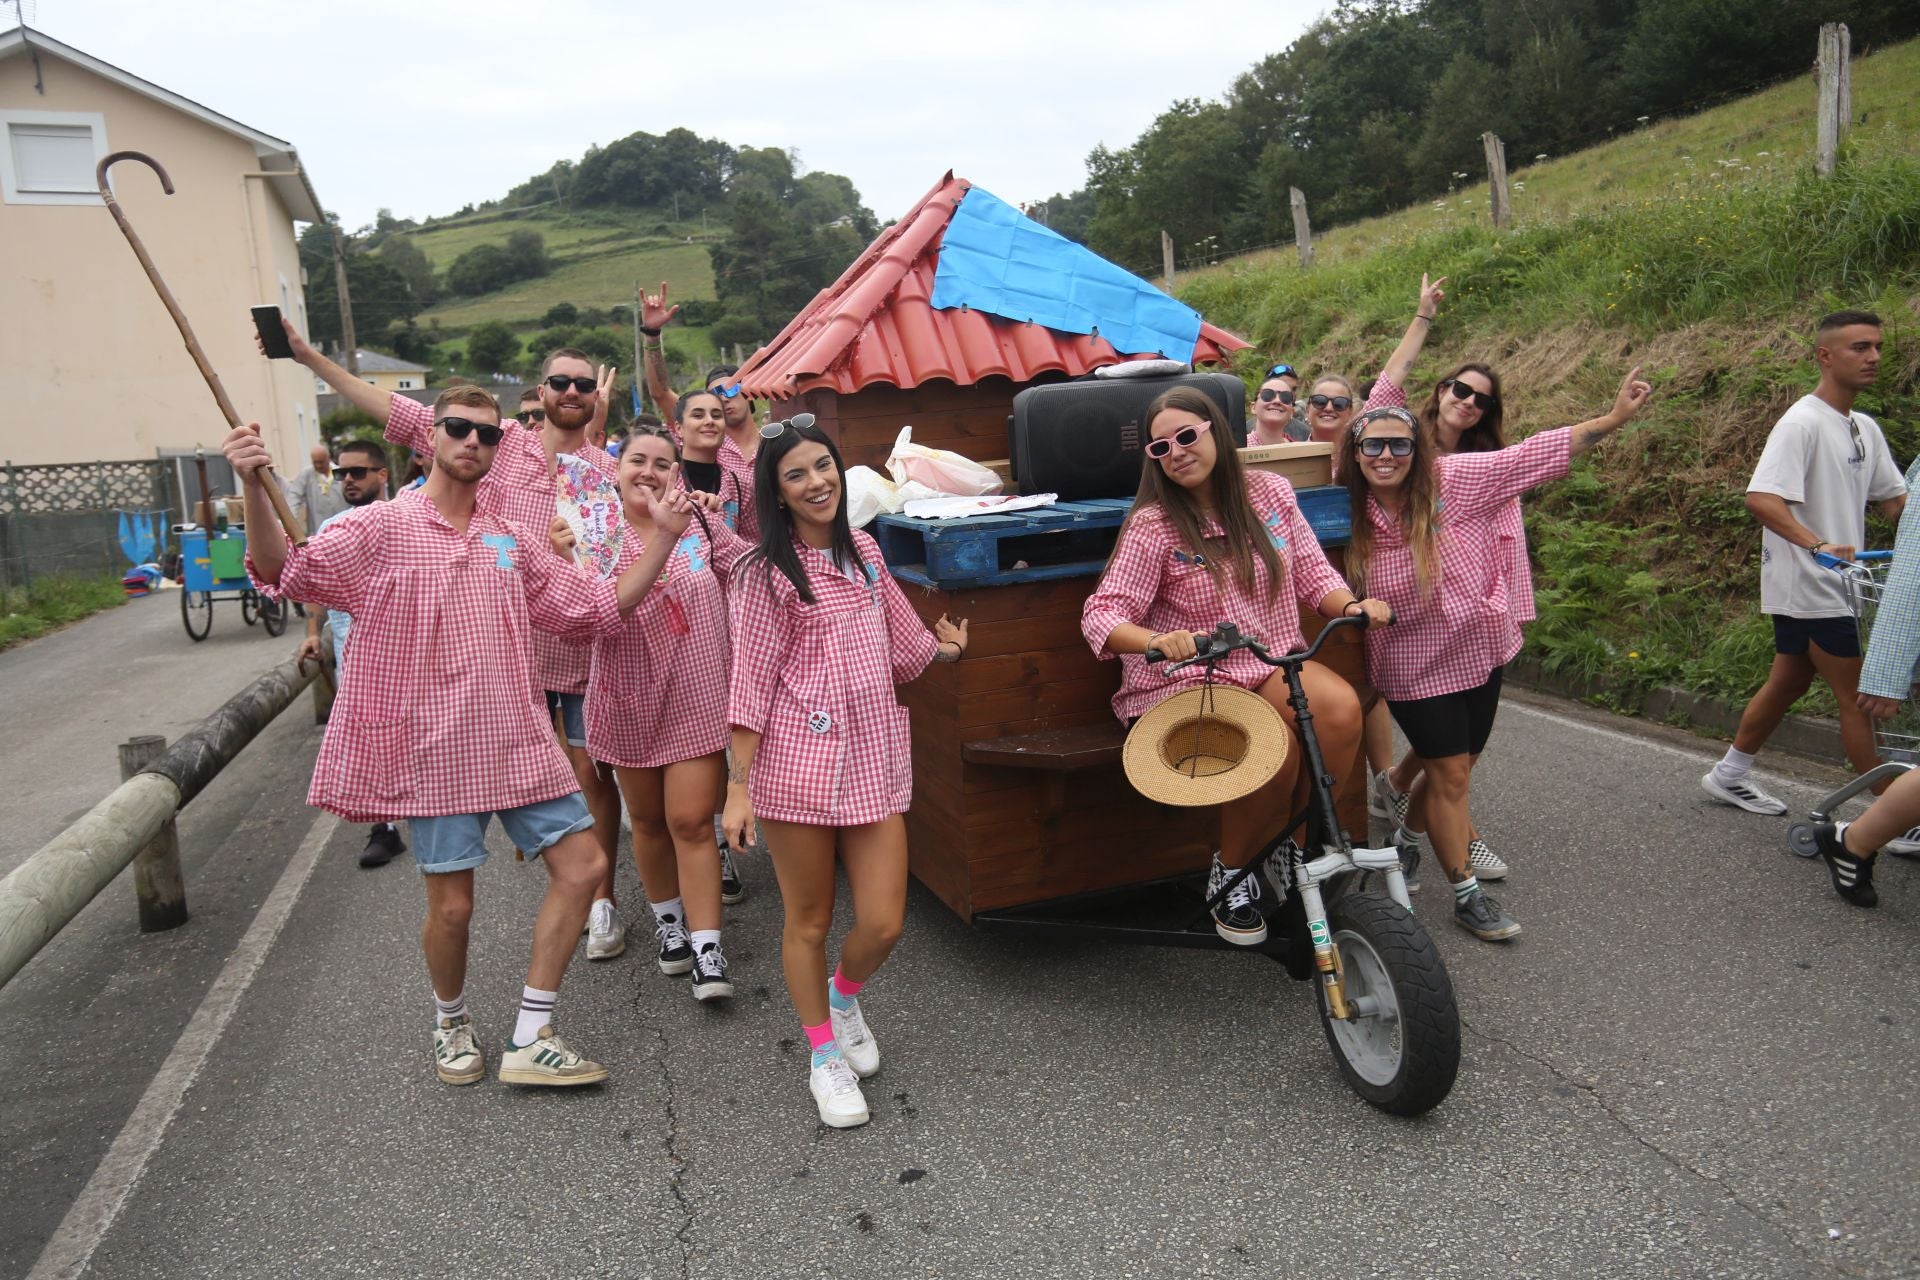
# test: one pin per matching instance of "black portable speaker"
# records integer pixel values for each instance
(1086, 439)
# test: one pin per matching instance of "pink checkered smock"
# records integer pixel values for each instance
(520, 487)
(1509, 528)
(815, 681)
(658, 692)
(1452, 639)
(441, 716)
(1156, 582)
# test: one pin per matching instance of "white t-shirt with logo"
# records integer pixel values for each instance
(1813, 460)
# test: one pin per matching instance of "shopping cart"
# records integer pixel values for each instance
(1895, 741)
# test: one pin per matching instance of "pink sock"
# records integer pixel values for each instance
(819, 1037)
(845, 985)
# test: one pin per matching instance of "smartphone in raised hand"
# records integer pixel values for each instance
(273, 334)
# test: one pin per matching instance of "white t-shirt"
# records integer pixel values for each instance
(1814, 461)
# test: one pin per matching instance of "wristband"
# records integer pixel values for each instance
(650, 333)
(1416, 316)
(1814, 550)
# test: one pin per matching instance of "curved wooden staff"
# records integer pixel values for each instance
(288, 521)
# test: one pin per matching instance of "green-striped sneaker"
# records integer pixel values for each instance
(456, 1053)
(547, 1061)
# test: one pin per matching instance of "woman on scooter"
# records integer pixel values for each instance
(1208, 541)
(1424, 540)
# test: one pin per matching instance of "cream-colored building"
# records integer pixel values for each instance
(91, 366)
(386, 372)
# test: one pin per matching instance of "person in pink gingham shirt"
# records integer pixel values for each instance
(657, 712)
(440, 724)
(821, 752)
(1209, 542)
(1423, 541)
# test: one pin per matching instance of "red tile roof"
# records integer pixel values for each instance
(874, 325)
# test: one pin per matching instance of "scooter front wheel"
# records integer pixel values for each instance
(1800, 839)
(1399, 1048)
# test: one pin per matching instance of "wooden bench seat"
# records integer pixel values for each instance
(1059, 751)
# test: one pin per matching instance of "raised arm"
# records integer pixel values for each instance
(363, 396)
(655, 315)
(1400, 363)
(1627, 403)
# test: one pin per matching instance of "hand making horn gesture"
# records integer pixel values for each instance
(670, 512)
(655, 314)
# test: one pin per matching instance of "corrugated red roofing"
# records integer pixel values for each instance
(875, 325)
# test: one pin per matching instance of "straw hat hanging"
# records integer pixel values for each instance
(1205, 746)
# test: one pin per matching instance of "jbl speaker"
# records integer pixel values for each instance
(1088, 439)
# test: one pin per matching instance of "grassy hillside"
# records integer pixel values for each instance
(1683, 249)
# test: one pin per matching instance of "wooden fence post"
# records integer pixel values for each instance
(1302, 229)
(1497, 201)
(1833, 66)
(1166, 260)
(157, 881)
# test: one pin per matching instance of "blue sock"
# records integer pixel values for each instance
(838, 998)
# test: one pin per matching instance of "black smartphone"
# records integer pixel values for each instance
(273, 335)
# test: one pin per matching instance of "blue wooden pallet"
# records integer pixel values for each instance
(1066, 540)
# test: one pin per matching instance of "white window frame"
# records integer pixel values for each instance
(9, 186)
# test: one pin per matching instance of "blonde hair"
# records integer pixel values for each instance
(467, 396)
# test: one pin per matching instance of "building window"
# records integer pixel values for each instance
(48, 157)
(407, 384)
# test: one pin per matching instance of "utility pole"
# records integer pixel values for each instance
(346, 303)
(1835, 73)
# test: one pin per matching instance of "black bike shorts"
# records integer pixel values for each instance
(1452, 724)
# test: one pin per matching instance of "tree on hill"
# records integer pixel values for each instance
(382, 298)
(493, 348)
(487, 267)
(406, 257)
(561, 313)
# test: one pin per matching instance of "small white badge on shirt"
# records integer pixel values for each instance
(819, 721)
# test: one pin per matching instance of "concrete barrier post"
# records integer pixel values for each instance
(157, 882)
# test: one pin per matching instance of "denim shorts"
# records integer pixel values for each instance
(573, 715)
(458, 841)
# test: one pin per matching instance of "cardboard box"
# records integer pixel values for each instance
(1304, 464)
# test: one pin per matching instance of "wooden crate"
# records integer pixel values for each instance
(1304, 463)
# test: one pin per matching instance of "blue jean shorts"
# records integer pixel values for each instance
(458, 841)
(573, 715)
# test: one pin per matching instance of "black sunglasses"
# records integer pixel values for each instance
(1461, 391)
(1283, 371)
(354, 473)
(1186, 437)
(1342, 403)
(527, 417)
(1398, 446)
(1271, 393)
(458, 428)
(774, 430)
(560, 382)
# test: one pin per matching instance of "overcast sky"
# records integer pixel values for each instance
(423, 106)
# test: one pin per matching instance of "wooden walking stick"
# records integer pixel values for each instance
(288, 521)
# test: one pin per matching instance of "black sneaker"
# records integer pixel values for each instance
(383, 842)
(731, 890)
(1409, 858)
(1481, 916)
(710, 980)
(1852, 874)
(676, 948)
(1235, 917)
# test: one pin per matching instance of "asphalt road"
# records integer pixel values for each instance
(1696, 1062)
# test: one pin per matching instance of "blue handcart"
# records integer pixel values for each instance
(213, 566)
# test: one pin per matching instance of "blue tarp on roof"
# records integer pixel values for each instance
(997, 260)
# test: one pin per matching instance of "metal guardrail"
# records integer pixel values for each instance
(134, 825)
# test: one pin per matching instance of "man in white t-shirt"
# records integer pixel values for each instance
(1823, 463)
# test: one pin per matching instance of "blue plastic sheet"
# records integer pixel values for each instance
(997, 260)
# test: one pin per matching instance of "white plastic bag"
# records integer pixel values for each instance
(869, 494)
(941, 470)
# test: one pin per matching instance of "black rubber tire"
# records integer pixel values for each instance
(1429, 1019)
(1800, 840)
(249, 607)
(196, 608)
(273, 615)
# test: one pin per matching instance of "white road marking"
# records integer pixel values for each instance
(1699, 757)
(87, 1222)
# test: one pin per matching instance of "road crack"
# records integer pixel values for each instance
(1599, 1099)
(678, 1166)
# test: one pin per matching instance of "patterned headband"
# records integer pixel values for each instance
(1384, 411)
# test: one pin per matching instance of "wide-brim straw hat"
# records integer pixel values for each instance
(1204, 746)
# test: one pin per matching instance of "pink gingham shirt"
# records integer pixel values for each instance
(1451, 639)
(658, 692)
(1509, 529)
(521, 488)
(441, 716)
(816, 681)
(1154, 581)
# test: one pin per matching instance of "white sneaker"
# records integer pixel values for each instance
(1742, 794)
(836, 1091)
(1383, 802)
(606, 935)
(1907, 845)
(1484, 862)
(547, 1061)
(856, 1040)
(457, 1058)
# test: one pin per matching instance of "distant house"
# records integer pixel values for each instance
(384, 372)
(91, 367)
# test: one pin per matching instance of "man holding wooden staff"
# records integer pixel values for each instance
(440, 724)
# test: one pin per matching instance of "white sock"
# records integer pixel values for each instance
(454, 1008)
(1407, 835)
(1734, 765)
(703, 938)
(669, 912)
(536, 1011)
(1464, 889)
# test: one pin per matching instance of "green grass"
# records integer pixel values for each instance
(53, 602)
(589, 278)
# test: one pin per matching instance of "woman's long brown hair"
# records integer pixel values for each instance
(1483, 436)
(1419, 512)
(1245, 537)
